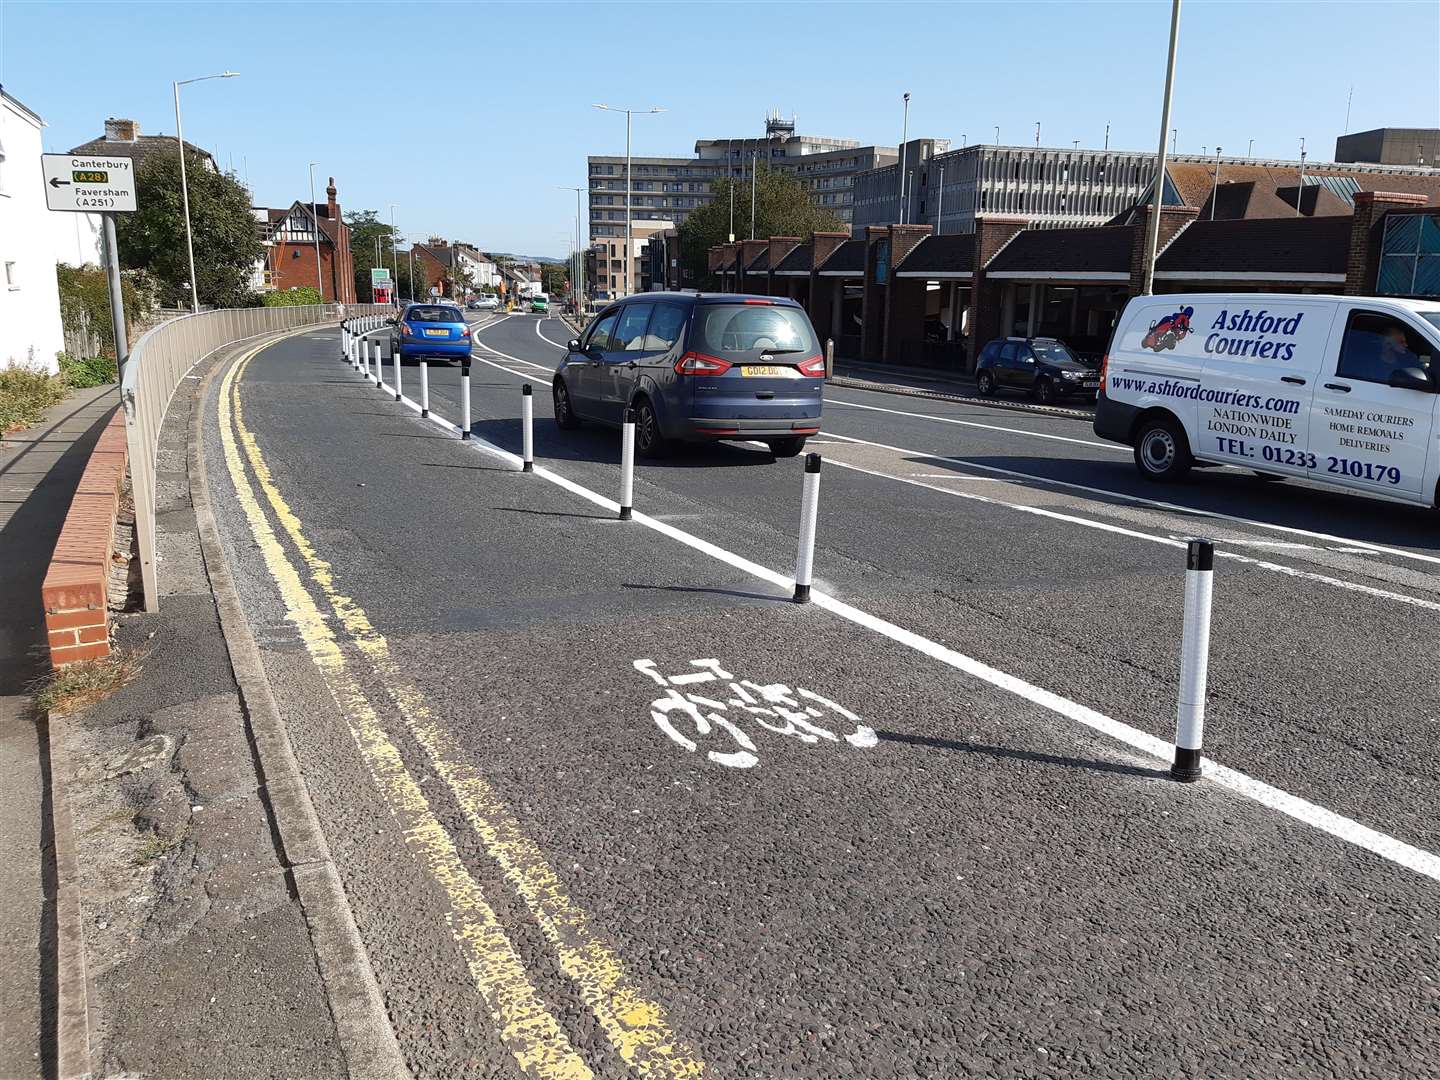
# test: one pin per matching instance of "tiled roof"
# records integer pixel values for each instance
(849, 257)
(799, 259)
(760, 262)
(1293, 245)
(1076, 250)
(941, 255)
(139, 151)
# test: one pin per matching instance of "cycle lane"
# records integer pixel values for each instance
(979, 871)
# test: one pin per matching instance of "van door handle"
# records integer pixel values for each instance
(1292, 379)
(1337, 386)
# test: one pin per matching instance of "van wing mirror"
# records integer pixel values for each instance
(1411, 378)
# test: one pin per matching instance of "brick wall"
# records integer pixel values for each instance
(295, 268)
(992, 233)
(74, 590)
(904, 299)
(749, 282)
(780, 246)
(1367, 230)
(1173, 221)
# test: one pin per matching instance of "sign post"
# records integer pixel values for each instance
(381, 287)
(85, 184)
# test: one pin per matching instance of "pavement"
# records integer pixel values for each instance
(605, 803)
(39, 470)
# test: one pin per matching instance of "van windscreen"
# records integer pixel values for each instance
(738, 332)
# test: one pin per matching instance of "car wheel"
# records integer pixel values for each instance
(786, 447)
(1044, 391)
(649, 442)
(565, 418)
(985, 384)
(1162, 453)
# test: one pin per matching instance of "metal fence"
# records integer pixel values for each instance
(158, 363)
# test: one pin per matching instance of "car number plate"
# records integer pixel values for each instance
(1092, 384)
(753, 370)
(437, 333)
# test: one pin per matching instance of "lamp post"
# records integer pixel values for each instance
(1215, 191)
(1152, 230)
(904, 138)
(629, 254)
(394, 270)
(575, 287)
(315, 219)
(184, 182)
(1300, 189)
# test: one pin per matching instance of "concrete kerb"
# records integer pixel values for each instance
(72, 998)
(362, 1027)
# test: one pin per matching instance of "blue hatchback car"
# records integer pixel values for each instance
(436, 331)
(697, 367)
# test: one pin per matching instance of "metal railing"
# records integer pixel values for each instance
(157, 365)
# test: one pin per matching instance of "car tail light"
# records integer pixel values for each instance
(694, 363)
(814, 367)
(464, 331)
(770, 302)
(1104, 368)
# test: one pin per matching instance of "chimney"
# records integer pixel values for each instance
(121, 130)
(1173, 221)
(330, 202)
(437, 241)
(824, 244)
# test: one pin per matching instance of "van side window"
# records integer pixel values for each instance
(665, 326)
(600, 334)
(1377, 345)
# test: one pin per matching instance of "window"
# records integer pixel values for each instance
(600, 336)
(630, 334)
(1010, 353)
(666, 326)
(1378, 345)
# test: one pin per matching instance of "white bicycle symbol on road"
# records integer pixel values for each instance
(774, 706)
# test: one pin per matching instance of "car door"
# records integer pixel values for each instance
(585, 371)
(1011, 369)
(1364, 432)
(623, 360)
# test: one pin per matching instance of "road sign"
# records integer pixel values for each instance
(379, 275)
(434, 290)
(88, 184)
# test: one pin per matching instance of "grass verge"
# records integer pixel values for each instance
(82, 684)
(25, 394)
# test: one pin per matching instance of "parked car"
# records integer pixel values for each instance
(430, 330)
(697, 368)
(482, 303)
(1338, 390)
(1042, 367)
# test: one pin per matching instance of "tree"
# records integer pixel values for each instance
(782, 208)
(365, 228)
(554, 279)
(227, 244)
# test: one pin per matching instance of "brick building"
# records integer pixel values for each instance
(289, 235)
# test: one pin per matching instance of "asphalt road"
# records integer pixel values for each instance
(872, 846)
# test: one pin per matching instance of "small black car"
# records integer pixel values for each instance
(1043, 367)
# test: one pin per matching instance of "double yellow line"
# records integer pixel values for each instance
(636, 1027)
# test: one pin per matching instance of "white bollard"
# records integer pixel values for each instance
(627, 464)
(527, 428)
(1194, 661)
(424, 389)
(465, 400)
(398, 361)
(809, 507)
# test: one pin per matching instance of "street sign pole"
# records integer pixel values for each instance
(117, 298)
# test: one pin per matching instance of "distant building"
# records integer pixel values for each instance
(289, 234)
(1391, 146)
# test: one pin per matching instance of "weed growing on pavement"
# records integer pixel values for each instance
(25, 393)
(79, 685)
(154, 847)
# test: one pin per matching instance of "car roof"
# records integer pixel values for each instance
(689, 296)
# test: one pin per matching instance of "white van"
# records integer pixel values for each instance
(1337, 389)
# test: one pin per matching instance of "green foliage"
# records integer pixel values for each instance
(25, 393)
(85, 300)
(227, 244)
(304, 296)
(365, 228)
(81, 372)
(554, 278)
(782, 208)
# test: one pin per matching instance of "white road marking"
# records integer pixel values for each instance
(542, 337)
(976, 424)
(1138, 500)
(1422, 862)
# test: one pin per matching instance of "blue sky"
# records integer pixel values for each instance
(354, 86)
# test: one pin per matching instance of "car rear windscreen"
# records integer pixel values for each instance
(744, 331)
(434, 314)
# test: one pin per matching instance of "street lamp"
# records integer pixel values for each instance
(394, 270)
(575, 287)
(904, 138)
(184, 183)
(1152, 229)
(1215, 192)
(315, 219)
(629, 256)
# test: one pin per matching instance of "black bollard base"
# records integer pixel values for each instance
(528, 466)
(624, 513)
(802, 594)
(1186, 767)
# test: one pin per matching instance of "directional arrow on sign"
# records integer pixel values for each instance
(55, 182)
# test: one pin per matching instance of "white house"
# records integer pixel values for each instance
(30, 331)
(483, 272)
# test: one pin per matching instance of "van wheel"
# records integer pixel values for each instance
(985, 384)
(649, 442)
(786, 447)
(565, 418)
(1162, 452)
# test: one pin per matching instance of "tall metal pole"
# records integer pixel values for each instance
(1215, 191)
(117, 300)
(394, 270)
(905, 138)
(412, 271)
(753, 179)
(185, 199)
(732, 209)
(315, 218)
(940, 203)
(1152, 229)
(629, 245)
(1300, 189)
